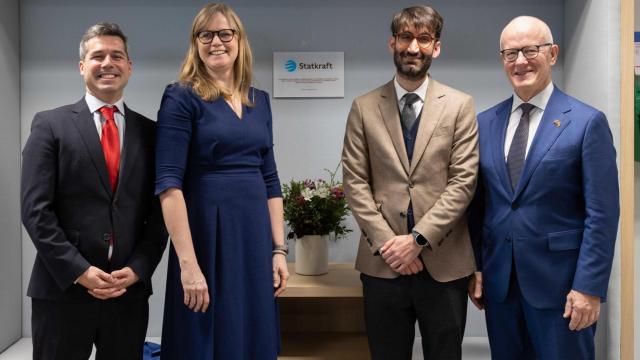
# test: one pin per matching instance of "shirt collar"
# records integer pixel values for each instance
(95, 104)
(540, 100)
(421, 91)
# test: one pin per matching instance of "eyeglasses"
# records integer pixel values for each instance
(207, 36)
(529, 52)
(406, 38)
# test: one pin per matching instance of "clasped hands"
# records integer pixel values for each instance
(401, 254)
(582, 309)
(103, 285)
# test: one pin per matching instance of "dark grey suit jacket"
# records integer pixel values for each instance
(71, 212)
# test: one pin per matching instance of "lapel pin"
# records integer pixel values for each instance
(556, 123)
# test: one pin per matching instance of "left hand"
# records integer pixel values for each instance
(583, 309)
(280, 274)
(475, 290)
(124, 278)
(399, 252)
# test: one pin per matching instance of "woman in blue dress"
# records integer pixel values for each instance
(221, 200)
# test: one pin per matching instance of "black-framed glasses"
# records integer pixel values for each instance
(207, 36)
(406, 38)
(529, 52)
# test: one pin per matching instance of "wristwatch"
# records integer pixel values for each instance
(420, 240)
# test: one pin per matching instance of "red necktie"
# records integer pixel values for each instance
(111, 145)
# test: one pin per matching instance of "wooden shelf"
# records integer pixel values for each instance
(322, 345)
(341, 281)
(321, 317)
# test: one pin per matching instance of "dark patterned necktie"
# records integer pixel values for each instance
(518, 148)
(408, 113)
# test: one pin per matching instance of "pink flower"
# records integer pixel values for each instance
(309, 184)
(337, 192)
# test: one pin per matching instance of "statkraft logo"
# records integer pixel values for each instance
(290, 65)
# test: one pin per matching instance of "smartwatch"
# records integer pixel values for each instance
(420, 240)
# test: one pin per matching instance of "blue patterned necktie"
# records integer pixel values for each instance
(518, 148)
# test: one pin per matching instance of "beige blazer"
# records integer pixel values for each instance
(440, 181)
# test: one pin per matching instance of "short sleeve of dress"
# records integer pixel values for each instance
(173, 136)
(269, 169)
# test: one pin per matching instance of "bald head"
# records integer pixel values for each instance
(526, 25)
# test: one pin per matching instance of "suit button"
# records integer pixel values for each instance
(508, 239)
(106, 236)
(410, 184)
(402, 214)
(514, 206)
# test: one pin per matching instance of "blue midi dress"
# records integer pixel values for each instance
(226, 170)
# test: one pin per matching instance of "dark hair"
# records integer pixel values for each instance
(419, 17)
(102, 29)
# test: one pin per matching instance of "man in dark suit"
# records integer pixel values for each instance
(546, 211)
(410, 162)
(89, 208)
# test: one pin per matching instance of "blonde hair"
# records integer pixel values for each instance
(194, 72)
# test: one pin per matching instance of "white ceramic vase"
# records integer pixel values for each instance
(312, 255)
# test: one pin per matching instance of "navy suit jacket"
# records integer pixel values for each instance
(558, 226)
(70, 210)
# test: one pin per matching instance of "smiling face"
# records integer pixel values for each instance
(413, 61)
(218, 57)
(528, 76)
(106, 68)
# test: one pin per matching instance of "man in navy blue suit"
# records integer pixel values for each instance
(546, 210)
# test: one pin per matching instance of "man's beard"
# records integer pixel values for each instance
(413, 72)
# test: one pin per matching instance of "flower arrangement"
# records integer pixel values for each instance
(315, 207)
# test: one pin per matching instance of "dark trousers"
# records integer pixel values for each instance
(519, 331)
(68, 330)
(392, 306)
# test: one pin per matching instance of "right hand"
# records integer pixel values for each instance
(414, 267)
(94, 278)
(400, 253)
(475, 290)
(196, 292)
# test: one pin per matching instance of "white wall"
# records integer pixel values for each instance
(308, 132)
(592, 63)
(10, 294)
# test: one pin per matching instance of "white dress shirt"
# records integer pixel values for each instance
(421, 91)
(540, 102)
(95, 104)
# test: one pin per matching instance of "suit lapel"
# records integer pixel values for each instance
(131, 146)
(431, 114)
(83, 120)
(547, 133)
(390, 116)
(499, 126)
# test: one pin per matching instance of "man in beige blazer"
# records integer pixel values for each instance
(410, 162)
